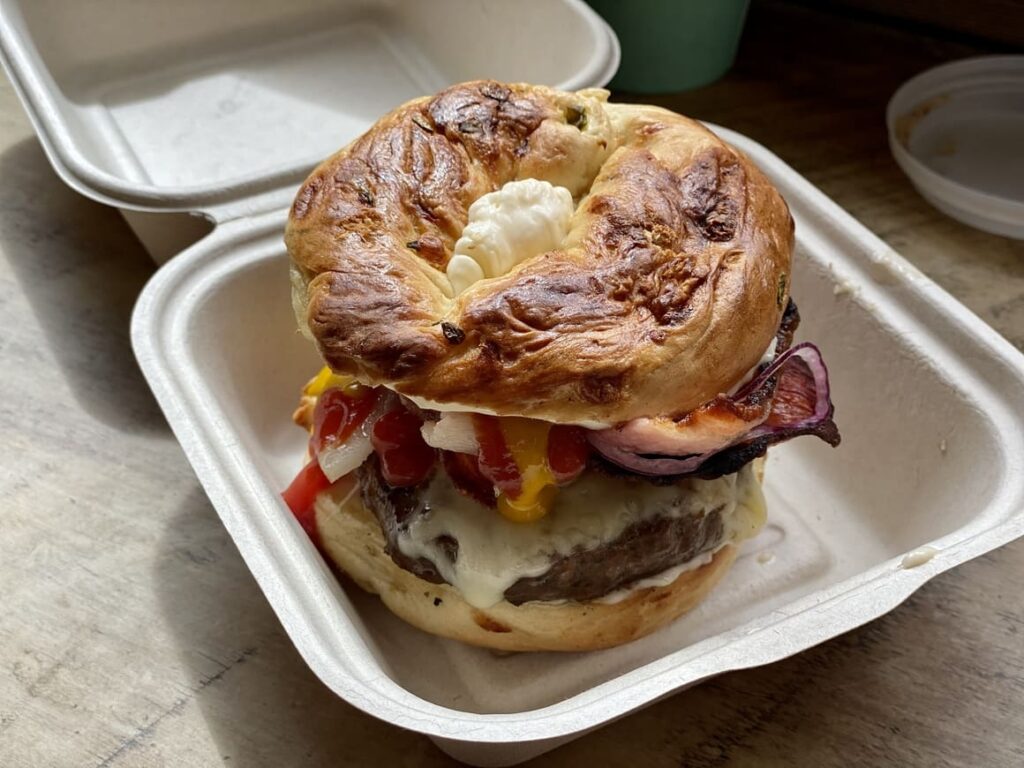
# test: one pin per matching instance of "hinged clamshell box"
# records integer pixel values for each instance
(222, 108)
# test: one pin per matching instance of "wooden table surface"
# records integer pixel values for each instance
(131, 633)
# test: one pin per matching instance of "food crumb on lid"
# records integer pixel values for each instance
(918, 557)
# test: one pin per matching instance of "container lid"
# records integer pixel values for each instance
(957, 131)
(195, 105)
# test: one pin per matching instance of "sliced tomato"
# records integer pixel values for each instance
(568, 451)
(496, 460)
(301, 495)
(405, 459)
(338, 414)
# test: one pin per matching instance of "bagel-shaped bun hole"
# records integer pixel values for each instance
(667, 289)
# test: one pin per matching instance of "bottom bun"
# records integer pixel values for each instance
(351, 537)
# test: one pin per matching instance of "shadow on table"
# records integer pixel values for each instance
(858, 700)
(81, 269)
(261, 703)
(263, 706)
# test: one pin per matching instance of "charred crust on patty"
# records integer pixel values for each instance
(643, 549)
(393, 508)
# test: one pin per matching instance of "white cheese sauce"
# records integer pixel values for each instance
(494, 553)
(662, 579)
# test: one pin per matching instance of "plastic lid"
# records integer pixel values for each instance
(958, 132)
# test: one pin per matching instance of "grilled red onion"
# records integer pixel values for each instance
(800, 404)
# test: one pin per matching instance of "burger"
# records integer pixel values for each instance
(558, 341)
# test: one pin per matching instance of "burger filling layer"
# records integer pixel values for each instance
(524, 510)
(602, 534)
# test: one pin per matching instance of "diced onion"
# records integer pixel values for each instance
(453, 432)
(339, 460)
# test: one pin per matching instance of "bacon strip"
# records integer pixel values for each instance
(716, 424)
(788, 398)
(467, 478)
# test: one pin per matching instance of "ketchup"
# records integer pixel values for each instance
(568, 451)
(405, 459)
(496, 460)
(338, 414)
(301, 495)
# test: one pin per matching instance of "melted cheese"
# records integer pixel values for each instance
(494, 552)
(517, 222)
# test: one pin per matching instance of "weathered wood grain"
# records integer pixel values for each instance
(131, 633)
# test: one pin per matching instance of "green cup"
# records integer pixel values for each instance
(673, 45)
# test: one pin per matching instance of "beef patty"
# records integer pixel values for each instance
(643, 549)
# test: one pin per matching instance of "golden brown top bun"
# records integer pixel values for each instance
(668, 288)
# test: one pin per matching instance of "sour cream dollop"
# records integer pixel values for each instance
(517, 222)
